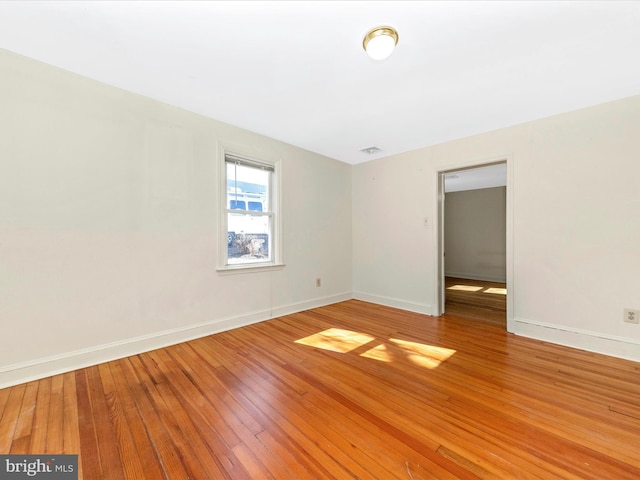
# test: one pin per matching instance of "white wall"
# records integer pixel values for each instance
(475, 234)
(575, 206)
(393, 259)
(108, 225)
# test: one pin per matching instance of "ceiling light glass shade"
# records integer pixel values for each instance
(380, 42)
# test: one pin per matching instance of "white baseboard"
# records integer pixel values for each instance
(308, 305)
(394, 302)
(56, 364)
(590, 341)
(471, 276)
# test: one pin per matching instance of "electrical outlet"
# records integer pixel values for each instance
(631, 315)
(318, 282)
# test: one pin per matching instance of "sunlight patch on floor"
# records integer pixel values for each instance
(344, 341)
(423, 355)
(380, 353)
(497, 291)
(465, 288)
(336, 340)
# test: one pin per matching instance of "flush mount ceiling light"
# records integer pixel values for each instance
(380, 42)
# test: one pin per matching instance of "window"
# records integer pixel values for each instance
(250, 213)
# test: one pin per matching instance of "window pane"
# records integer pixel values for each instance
(248, 234)
(255, 206)
(248, 184)
(249, 238)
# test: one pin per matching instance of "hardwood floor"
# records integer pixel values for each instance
(348, 391)
(476, 299)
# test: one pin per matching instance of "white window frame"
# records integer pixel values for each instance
(249, 158)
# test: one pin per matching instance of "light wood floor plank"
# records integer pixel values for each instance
(119, 412)
(197, 419)
(347, 391)
(38, 441)
(24, 425)
(87, 439)
(166, 458)
(10, 416)
(70, 417)
(103, 412)
(55, 427)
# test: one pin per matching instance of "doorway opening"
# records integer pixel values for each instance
(473, 244)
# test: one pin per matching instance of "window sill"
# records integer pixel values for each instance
(235, 269)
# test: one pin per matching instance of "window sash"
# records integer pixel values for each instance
(252, 212)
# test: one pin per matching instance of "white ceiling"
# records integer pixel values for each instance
(296, 71)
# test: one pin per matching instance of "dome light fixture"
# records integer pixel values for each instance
(380, 42)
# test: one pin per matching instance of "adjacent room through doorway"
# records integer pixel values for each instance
(477, 299)
(474, 241)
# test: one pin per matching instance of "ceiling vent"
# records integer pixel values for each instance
(370, 150)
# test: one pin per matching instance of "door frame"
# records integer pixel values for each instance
(439, 259)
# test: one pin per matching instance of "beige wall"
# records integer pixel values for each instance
(475, 234)
(574, 206)
(109, 224)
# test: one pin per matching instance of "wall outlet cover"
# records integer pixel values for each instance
(631, 315)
